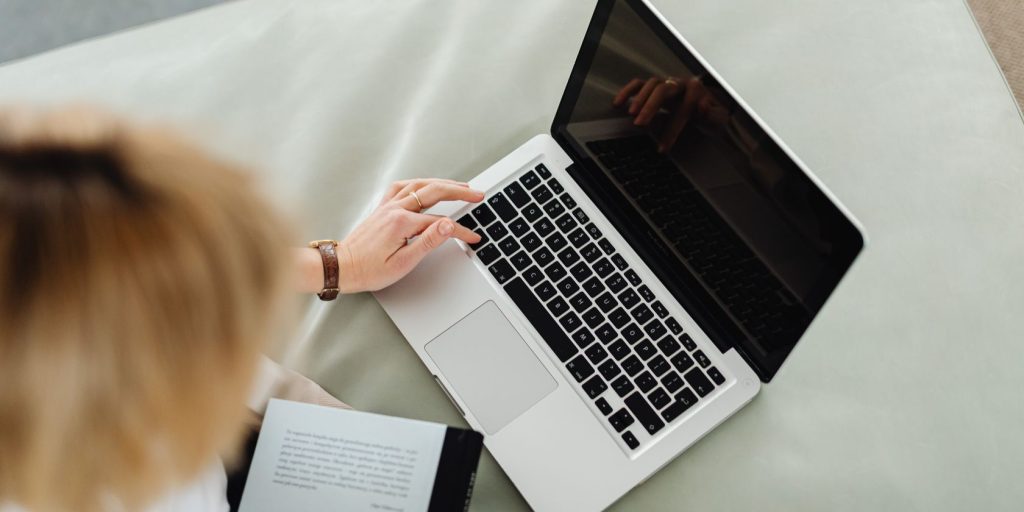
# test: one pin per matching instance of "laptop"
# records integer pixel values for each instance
(643, 271)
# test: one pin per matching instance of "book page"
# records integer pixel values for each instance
(315, 458)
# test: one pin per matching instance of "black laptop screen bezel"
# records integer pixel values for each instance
(684, 287)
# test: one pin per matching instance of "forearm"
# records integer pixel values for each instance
(310, 270)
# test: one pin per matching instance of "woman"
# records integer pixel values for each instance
(140, 281)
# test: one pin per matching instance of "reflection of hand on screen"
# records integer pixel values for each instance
(682, 99)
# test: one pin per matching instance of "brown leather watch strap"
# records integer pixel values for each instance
(329, 255)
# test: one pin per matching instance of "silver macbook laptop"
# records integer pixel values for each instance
(644, 268)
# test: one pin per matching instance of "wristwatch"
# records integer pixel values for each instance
(329, 255)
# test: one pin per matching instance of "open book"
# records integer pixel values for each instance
(314, 458)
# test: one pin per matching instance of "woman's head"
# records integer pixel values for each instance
(138, 278)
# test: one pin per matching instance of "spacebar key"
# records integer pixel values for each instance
(540, 318)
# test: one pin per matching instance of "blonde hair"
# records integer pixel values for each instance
(138, 282)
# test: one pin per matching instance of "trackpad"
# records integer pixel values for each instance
(492, 370)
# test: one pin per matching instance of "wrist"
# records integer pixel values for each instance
(310, 270)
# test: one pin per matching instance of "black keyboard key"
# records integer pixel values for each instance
(569, 201)
(531, 241)
(698, 382)
(668, 346)
(603, 267)
(467, 221)
(502, 271)
(533, 275)
(579, 368)
(517, 195)
(674, 326)
(556, 242)
(716, 375)
(606, 334)
(594, 232)
(567, 287)
(672, 382)
(659, 308)
(602, 405)
(620, 262)
(520, 260)
(593, 286)
(590, 253)
(581, 217)
(578, 237)
(568, 256)
(543, 257)
(679, 406)
(530, 180)
(483, 239)
(632, 333)
(606, 246)
(615, 283)
(629, 298)
(645, 349)
(583, 338)
(593, 318)
(594, 387)
(630, 440)
(502, 207)
(596, 353)
(519, 227)
(570, 322)
(555, 271)
(687, 397)
(497, 231)
(509, 245)
(659, 398)
(544, 227)
(607, 302)
(702, 359)
(566, 223)
(483, 214)
(532, 212)
(545, 291)
(488, 254)
(619, 349)
(558, 307)
(644, 413)
(543, 171)
(620, 420)
(682, 362)
(554, 209)
(580, 302)
(622, 385)
(687, 342)
(542, 194)
(655, 329)
(645, 381)
(642, 314)
(658, 365)
(645, 292)
(540, 319)
(556, 187)
(633, 278)
(581, 272)
(632, 365)
(619, 317)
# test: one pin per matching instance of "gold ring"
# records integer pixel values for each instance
(417, 198)
(669, 81)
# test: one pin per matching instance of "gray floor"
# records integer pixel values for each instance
(28, 27)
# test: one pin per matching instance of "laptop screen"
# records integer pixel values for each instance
(747, 242)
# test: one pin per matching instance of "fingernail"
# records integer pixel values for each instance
(446, 228)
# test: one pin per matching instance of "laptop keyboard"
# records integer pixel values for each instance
(616, 340)
(754, 296)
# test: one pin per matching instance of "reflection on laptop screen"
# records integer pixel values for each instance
(735, 215)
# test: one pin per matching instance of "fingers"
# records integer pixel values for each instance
(396, 189)
(418, 222)
(641, 97)
(628, 90)
(661, 93)
(436, 192)
(431, 238)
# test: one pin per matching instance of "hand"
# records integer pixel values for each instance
(681, 98)
(396, 236)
